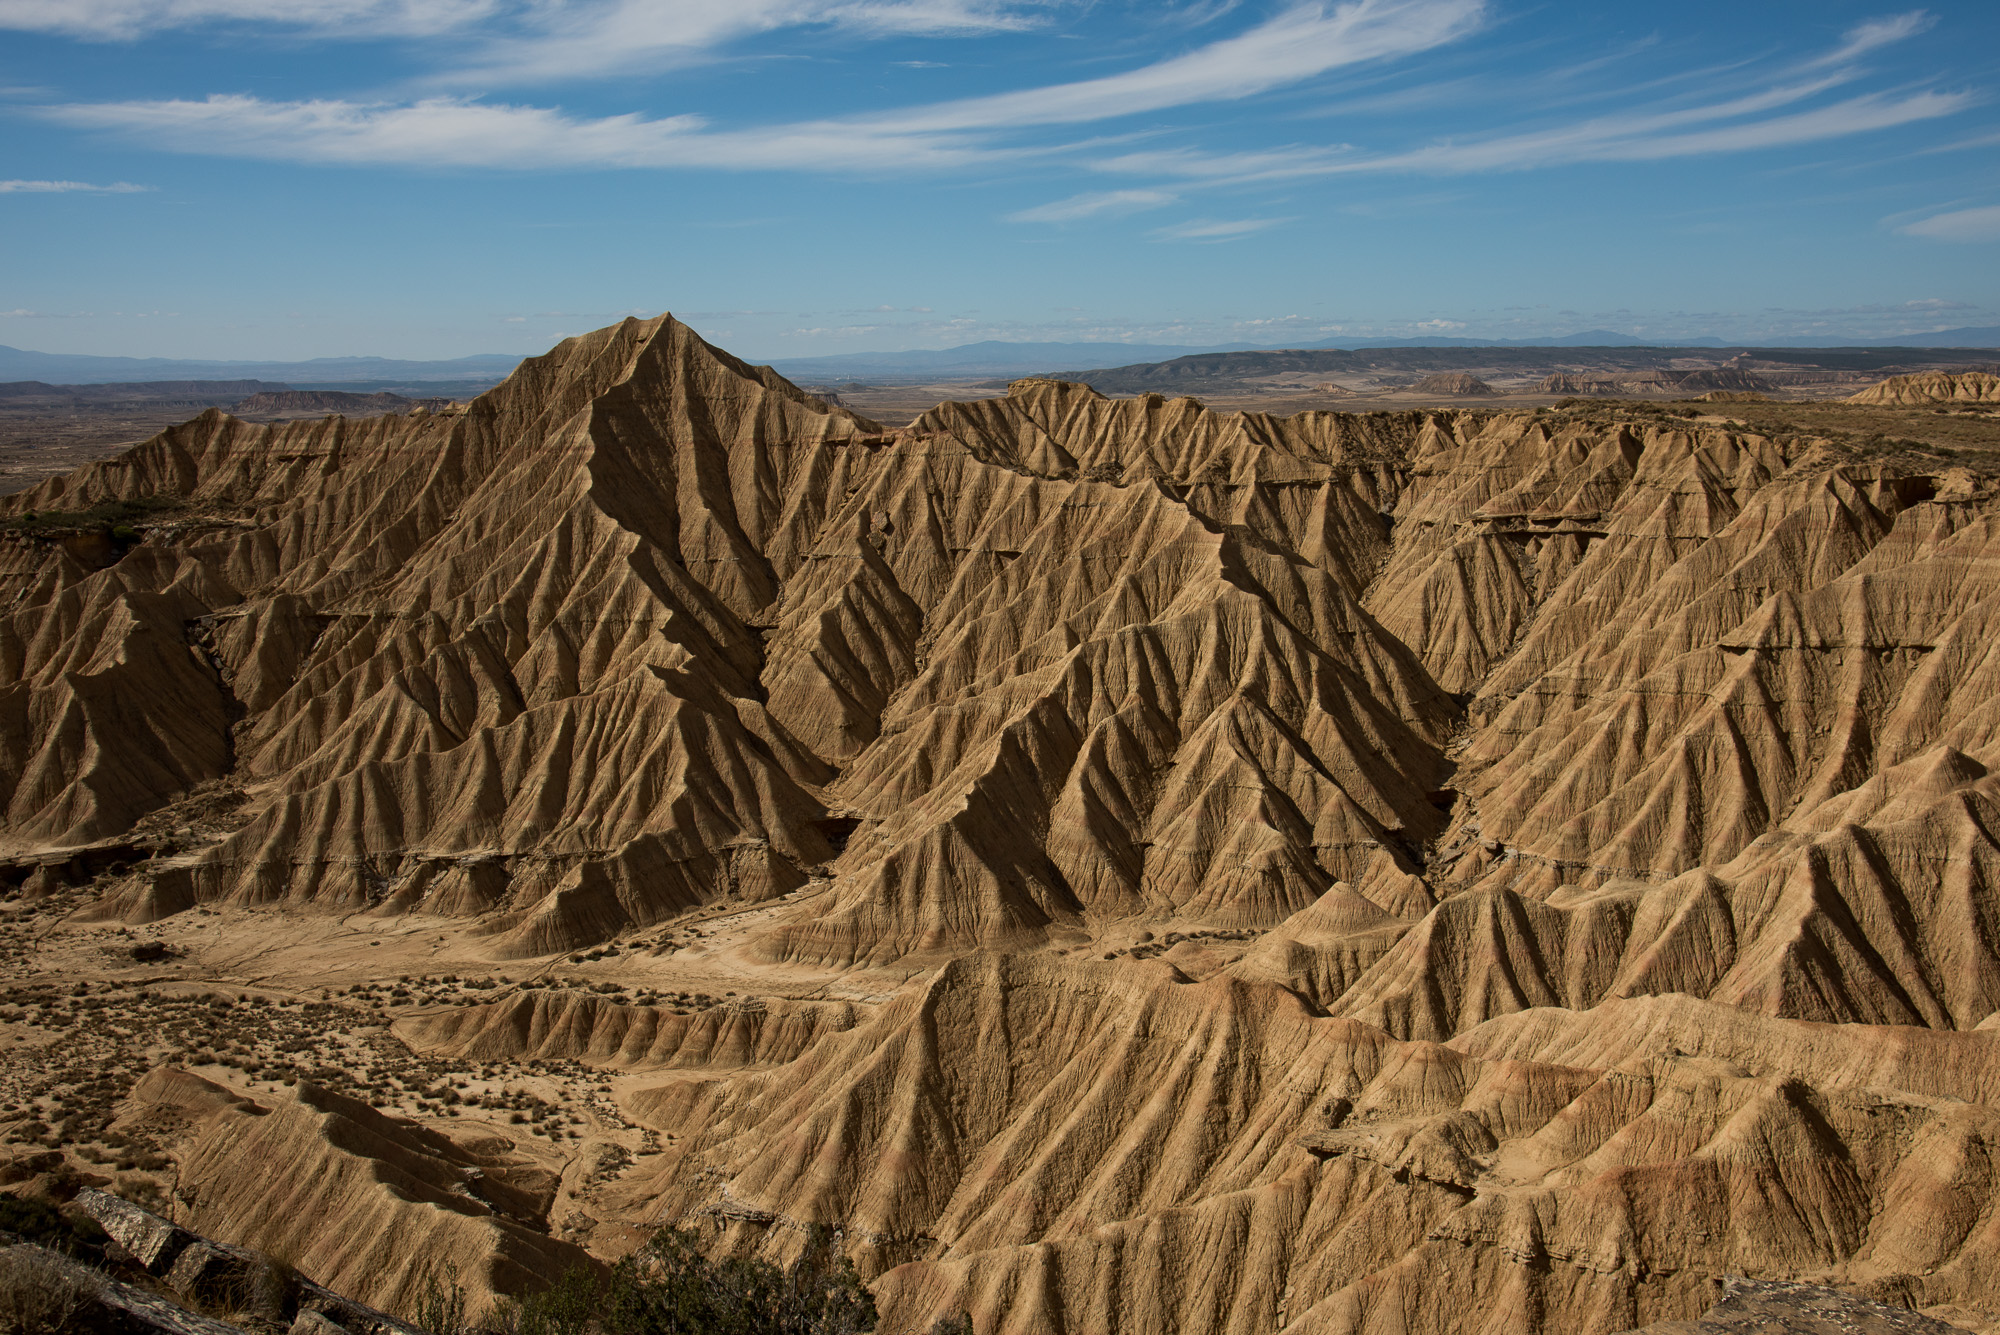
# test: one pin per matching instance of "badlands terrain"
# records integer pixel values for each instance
(47, 430)
(1127, 866)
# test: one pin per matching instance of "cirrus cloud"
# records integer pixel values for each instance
(1982, 224)
(1095, 204)
(70, 188)
(120, 20)
(1211, 230)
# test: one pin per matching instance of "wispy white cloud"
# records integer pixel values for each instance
(1981, 224)
(1206, 229)
(565, 39)
(528, 41)
(115, 20)
(461, 133)
(70, 188)
(1738, 123)
(1876, 33)
(1301, 42)
(1095, 204)
(1957, 145)
(1641, 139)
(1602, 139)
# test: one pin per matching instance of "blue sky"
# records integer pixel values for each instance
(433, 178)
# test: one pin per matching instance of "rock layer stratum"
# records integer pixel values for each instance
(1415, 872)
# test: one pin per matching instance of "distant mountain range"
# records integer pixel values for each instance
(77, 369)
(995, 358)
(989, 358)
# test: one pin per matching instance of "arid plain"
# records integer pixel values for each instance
(1129, 864)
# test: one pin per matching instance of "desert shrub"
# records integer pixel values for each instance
(114, 519)
(39, 1222)
(41, 1293)
(669, 1288)
(441, 1301)
(958, 1323)
(254, 1294)
(564, 1308)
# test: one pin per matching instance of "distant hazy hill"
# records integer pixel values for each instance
(1226, 371)
(76, 369)
(991, 357)
(36, 395)
(996, 358)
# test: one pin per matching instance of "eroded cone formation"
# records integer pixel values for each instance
(1612, 806)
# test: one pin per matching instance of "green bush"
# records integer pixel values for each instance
(565, 1308)
(441, 1301)
(668, 1287)
(114, 518)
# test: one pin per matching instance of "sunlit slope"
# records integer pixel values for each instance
(1601, 816)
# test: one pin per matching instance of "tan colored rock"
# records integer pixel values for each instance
(1435, 872)
(1456, 384)
(1565, 382)
(366, 1204)
(1932, 387)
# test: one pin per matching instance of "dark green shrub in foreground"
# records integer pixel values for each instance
(668, 1287)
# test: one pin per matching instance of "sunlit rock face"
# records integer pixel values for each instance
(1421, 872)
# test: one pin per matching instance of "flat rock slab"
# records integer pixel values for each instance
(152, 1241)
(1773, 1307)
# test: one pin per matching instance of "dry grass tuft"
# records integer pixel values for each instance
(41, 1293)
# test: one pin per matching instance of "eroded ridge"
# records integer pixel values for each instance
(1182, 871)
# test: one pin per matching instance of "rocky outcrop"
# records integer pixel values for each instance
(1726, 379)
(1566, 382)
(213, 1275)
(1453, 384)
(1932, 387)
(1763, 1307)
(369, 1205)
